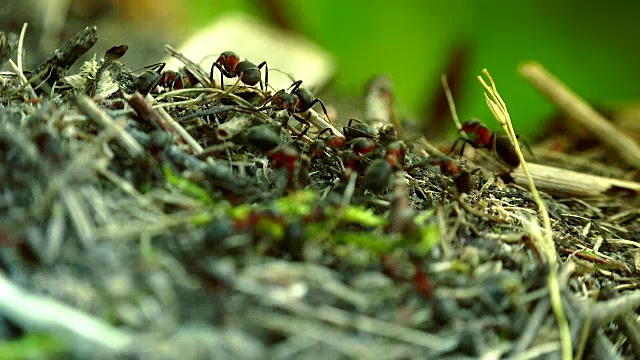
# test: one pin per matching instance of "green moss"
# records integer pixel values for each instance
(187, 187)
(362, 216)
(33, 346)
(298, 203)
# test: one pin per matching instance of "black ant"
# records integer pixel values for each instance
(153, 77)
(359, 129)
(297, 100)
(249, 73)
(378, 174)
(262, 137)
(385, 134)
(482, 138)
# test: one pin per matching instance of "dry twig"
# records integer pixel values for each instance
(580, 111)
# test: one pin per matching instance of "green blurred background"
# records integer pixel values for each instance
(590, 45)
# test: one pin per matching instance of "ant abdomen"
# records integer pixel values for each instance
(506, 151)
(250, 73)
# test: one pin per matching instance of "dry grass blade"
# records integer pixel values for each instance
(197, 148)
(42, 314)
(452, 107)
(21, 46)
(23, 79)
(89, 108)
(499, 110)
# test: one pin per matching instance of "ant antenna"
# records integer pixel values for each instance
(289, 75)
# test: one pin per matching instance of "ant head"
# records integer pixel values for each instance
(318, 148)
(284, 100)
(450, 167)
(229, 60)
(172, 79)
(362, 145)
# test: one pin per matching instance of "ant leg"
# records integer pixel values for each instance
(352, 120)
(266, 75)
(323, 108)
(324, 131)
(527, 146)
(214, 65)
(295, 85)
(304, 123)
(264, 106)
(223, 73)
(286, 122)
(158, 67)
(464, 143)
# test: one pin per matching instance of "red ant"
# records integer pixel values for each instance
(297, 100)
(448, 166)
(360, 138)
(286, 157)
(395, 155)
(153, 77)
(482, 138)
(350, 133)
(230, 66)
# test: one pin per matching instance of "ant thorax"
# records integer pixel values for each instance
(484, 135)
